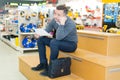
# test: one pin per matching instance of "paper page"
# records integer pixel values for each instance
(42, 32)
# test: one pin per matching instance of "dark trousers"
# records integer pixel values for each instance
(55, 46)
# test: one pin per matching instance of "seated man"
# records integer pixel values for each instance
(65, 38)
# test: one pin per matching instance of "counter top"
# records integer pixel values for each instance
(97, 33)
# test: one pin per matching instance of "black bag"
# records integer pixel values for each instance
(59, 67)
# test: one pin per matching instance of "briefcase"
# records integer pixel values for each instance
(59, 67)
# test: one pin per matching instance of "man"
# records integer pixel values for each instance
(65, 40)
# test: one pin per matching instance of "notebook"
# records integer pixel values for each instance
(42, 32)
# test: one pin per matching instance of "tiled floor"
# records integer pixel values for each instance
(9, 67)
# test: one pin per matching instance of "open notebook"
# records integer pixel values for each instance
(42, 32)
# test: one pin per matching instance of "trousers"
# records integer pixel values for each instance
(55, 47)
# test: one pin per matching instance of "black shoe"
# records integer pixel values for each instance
(39, 67)
(44, 73)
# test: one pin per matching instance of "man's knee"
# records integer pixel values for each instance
(54, 42)
(40, 39)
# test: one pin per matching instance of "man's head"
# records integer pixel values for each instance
(63, 8)
(60, 11)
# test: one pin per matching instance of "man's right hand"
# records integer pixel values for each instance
(36, 36)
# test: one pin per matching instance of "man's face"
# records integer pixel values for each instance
(58, 14)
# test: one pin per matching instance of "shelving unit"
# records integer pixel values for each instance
(2, 23)
(12, 34)
(22, 49)
(11, 26)
(28, 15)
(10, 43)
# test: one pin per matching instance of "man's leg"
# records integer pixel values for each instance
(42, 42)
(56, 45)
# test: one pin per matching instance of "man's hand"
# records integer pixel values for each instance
(36, 36)
(62, 20)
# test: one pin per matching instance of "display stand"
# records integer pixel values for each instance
(28, 19)
(11, 26)
(13, 20)
(20, 24)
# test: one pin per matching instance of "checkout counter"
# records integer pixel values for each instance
(103, 43)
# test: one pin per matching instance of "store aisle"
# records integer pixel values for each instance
(9, 69)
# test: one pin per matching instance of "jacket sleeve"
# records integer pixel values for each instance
(50, 26)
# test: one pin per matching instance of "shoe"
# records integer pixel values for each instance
(44, 73)
(39, 67)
